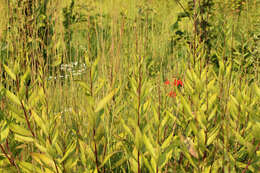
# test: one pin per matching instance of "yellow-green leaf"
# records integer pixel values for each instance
(13, 98)
(40, 147)
(167, 142)
(20, 130)
(256, 90)
(71, 148)
(10, 72)
(29, 167)
(149, 146)
(39, 122)
(42, 159)
(212, 135)
(21, 138)
(107, 158)
(57, 61)
(105, 100)
(4, 132)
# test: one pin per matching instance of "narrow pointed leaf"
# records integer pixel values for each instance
(10, 72)
(105, 100)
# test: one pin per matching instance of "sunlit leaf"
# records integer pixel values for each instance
(29, 167)
(149, 146)
(107, 158)
(42, 159)
(40, 122)
(212, 135)
(4, 132)
(69, 150)
(10, 72)
(21, 138)
(13, 98)
(57, 61)
(105, 100)
(20, 130)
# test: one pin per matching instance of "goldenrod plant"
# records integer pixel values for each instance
(129, 86)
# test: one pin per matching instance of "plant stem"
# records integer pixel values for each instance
(96, 154)
(12, 162)
(249, 162)
(27, 119)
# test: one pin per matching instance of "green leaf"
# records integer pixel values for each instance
(105, 100)
(4, 132)
(212, 99)
(57, 61)
(20, 130)
(242, 141)
(256, 89)
(186, 106)
(211, 85)
(149, 146)
(212, 135)
(107, 158)
(82, 152)
(216, 165)
(228, 70)
(147, 164)
(212, 114)
(40, 147)
(87, 61)
(70, 150)
(58, 148)
(94, 68)
(10, 72)
(126, 128)
(256, 130)
(28, 167)
(42, 159)
(133, 160)
(206, 169)
(13, 97)
(202, 137)
(85, 86)
(165, 157)
(90, 153)
(21, 138)
(138, 138)
(201, 120)
(35, 97)
(39, 122)
(154, 164)
(26, 76)
(99, 87)
(71, 163)
(162, 159)
(188, 156)
(167, 142)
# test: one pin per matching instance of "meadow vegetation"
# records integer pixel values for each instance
(129, 86)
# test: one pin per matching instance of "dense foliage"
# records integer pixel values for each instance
(129, 86)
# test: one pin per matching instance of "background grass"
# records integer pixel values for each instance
(83, 86)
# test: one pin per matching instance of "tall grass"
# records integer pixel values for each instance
(90, 86)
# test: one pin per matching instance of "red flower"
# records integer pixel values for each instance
(167, 82)
(172, 94)
(178, 82)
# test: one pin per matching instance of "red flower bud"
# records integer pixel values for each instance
(172, 94)
(167, 82)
